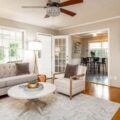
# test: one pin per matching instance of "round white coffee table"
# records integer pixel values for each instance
(33, 97)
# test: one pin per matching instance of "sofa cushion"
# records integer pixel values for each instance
(7, 70)
(2, 83)
(3, 91)
(22, 68)
(71, 70)
(11, 81)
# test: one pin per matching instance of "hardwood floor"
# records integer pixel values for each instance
(97, 78)
(102, 91)
(117, 115)
(105, 92)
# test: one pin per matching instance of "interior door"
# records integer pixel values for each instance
(61, 53)
(45, 60)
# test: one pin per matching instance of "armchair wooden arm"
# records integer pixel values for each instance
(71, 79)
(58, 73)
(77, 76)
(53, 78)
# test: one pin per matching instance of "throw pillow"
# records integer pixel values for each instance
(71, 70)
(22, 68)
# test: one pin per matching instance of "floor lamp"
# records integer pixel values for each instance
(36, 47)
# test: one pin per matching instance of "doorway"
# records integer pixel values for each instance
(92, 51)
(45, 59)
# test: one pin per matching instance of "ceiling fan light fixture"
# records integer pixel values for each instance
(54, 7)
(53, 11)
(57, 1)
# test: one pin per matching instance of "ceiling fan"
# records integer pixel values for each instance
(54, 7)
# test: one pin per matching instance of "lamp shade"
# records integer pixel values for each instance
(34, 45)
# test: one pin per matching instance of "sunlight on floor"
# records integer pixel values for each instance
(102, 91)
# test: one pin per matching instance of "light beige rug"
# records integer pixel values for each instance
(59, 107)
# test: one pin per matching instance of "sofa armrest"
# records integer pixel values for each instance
(54, 76)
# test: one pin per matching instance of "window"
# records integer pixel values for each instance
(11, 45)
(99, 48)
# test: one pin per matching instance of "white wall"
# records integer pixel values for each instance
(45, 60)
(114, 45)
(30, 32)
(76, 61)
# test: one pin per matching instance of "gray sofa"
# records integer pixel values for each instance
(8, 77)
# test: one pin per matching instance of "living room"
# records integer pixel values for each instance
(37, 48)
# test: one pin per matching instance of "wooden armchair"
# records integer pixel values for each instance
(70, 86)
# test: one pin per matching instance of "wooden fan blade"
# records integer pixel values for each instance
(34, 7)
(67, 12)
(70, 2)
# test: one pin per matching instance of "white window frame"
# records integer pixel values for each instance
(96, 48)
(23, 35)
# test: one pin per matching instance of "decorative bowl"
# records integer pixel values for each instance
(33, 85)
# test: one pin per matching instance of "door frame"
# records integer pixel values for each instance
(68, 54)
(51, 35)
(108, 31)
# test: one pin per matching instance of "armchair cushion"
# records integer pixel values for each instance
(63, 85)
(71, 70)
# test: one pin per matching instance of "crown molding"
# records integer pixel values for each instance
(89, 23)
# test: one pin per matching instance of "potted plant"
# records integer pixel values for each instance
(33, 84)
(92, 54)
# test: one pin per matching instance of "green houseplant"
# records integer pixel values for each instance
(92, 54)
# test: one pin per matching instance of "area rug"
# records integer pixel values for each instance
(60, 107)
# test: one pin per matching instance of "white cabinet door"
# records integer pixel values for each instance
(61, 53)
(45, 60)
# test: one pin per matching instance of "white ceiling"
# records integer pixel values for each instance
(89, 11)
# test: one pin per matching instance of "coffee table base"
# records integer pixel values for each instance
(34, 104)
